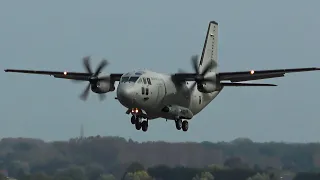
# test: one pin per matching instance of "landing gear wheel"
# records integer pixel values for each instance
(144, 126)
(185, 125)
(133, 119)
(138, 125)
(179, 124)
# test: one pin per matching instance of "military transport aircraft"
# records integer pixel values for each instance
(178, 96)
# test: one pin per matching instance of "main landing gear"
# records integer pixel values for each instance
(184, 125)
(139, 123)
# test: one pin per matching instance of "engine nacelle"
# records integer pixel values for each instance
(211, 86)
(102, 86)
(207, 87)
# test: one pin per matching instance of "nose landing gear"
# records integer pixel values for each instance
(139, 123)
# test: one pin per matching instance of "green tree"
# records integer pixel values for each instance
(72, 173)
(215, 167)
(260, 177)
(94, 171)
(204, 176)
(15, 167)
(40, 176)
(138, 175)
(135, 166)
(107, 177)
(235, 162)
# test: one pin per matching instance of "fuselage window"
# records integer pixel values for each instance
(199, 99)
(147, 91)
(142, 90)
(149, 81)
(144, 81)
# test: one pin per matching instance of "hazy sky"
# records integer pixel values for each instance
(161, 36)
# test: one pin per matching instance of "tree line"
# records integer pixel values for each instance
(98, 158)
(136, 171)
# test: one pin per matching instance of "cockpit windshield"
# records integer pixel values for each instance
(131, 79)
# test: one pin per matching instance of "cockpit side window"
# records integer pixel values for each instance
(124, 79)
(139, 81)
(149, 81)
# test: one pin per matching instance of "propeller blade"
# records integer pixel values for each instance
(102, 97)
(194, 62)
(207, 68)
(86, 64)
(102, 65)
(85, 93)
(193, 85)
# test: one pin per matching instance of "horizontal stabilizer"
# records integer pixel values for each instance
(246, 84)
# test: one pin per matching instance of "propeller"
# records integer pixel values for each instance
(93, 78)
(200, 76)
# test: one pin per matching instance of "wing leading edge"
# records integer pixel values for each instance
(239, 76)
(260, 74)
(65, 74)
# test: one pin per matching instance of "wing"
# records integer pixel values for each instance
(260, 74)
(64, 74)
(244, 75)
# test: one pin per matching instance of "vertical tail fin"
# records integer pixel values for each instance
(209, 52)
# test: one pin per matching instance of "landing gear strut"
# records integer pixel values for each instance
(184, 125)
(133, 119)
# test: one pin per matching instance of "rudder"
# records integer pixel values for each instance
(209, 52)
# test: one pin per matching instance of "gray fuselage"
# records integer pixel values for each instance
(152, 91)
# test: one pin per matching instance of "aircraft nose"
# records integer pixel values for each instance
(126, 95)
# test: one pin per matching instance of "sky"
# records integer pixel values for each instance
(160, 36)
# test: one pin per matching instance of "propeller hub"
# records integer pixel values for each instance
(199, 78)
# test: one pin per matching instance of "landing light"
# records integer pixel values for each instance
(65, 73)
(252, 72)
(135, 110)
